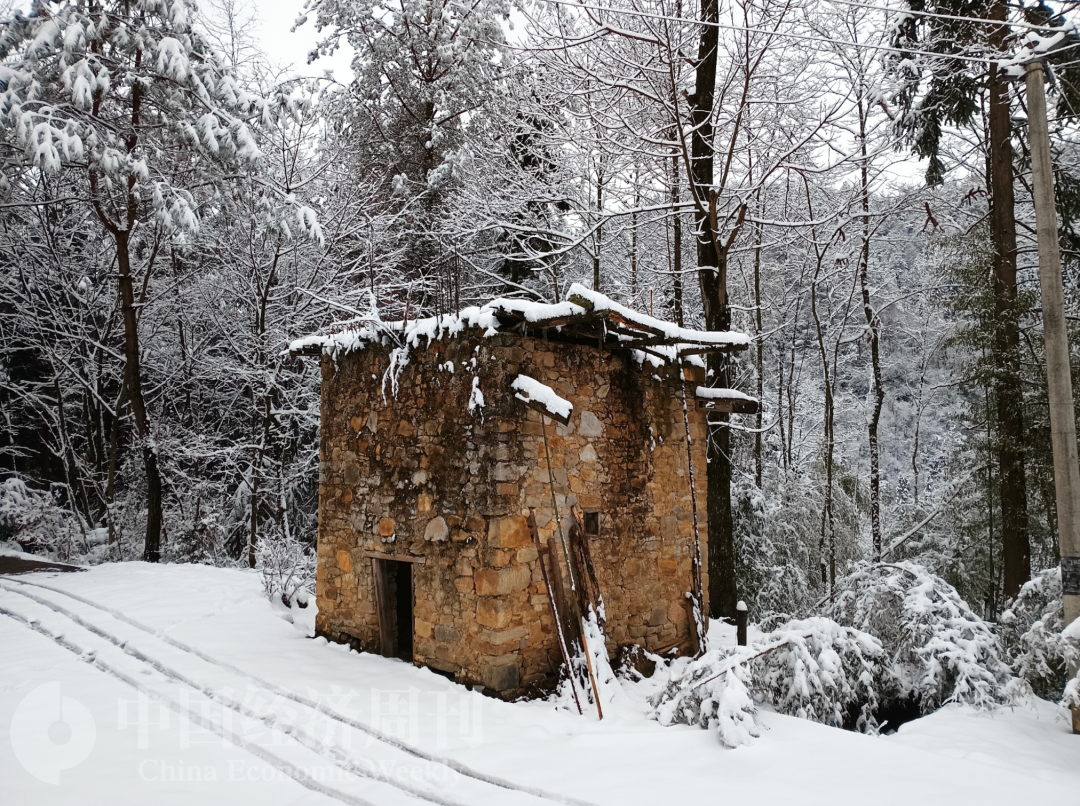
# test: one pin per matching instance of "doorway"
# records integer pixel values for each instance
(394, 601)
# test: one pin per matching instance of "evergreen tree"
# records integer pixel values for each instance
(423, 69)
(965, 85)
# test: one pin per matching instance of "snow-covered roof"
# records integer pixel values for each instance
(585, 314)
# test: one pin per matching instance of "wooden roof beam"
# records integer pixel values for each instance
(730, 406)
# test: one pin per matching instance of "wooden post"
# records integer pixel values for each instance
(570, 627)
(570, 572)
(740, 623)
(584, 570)
(543, 557)
(1058, 375)
(698, 592)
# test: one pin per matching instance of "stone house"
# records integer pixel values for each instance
(429, 467)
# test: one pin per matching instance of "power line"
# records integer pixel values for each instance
(787, 35)
(937, 15)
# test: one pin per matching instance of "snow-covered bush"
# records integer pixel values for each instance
(1071, 696)
(37, 523)
(713, 694)
(1031, 631)
(941, 651)
(777, 530)
(202, 541)
(813, 668)
(287, 569)
(893, 637)
(825, 672)
(776, 535)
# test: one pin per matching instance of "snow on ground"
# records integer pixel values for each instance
(211, 656)
(11, 549)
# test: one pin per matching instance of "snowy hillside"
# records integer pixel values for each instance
(153, 667)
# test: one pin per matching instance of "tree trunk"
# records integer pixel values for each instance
(1016, 552)
(723, 595)
(70, 468)
(875, 346)
(634, 240)
(991, 588)
(133, 382)
(253, 538)
(676, 235)
(760, 363)
(826, 539)
(115, 548)
(599, 224)
(712, 277)
(266, 415)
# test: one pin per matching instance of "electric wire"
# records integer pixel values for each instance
(952, 17)
(992, 59)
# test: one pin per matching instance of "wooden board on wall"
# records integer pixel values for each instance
(399, 558)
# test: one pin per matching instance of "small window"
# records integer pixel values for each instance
(592, 523)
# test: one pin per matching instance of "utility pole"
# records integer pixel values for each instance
(1059, 379)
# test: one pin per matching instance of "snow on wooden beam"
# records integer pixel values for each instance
(312, 346)
(583, 317)
(659, 332)
(401, 558)
(701, 349)
(683, 347)
(542, 398)
(725, 400)
(538, 315)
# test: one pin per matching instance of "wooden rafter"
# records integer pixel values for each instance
(730, 406)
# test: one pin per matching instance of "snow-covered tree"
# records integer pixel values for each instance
(424, 69)
(150, 125)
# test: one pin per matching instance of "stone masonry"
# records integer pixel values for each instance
(419, 473)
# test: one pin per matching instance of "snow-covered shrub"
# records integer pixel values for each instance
(1031, 631)
(713, 695)
(777, 530)
(287, 569)
(941, 651)
(1071, 697)
(775, 533)
(826, 673)
(893, 636)
(198, 542)
(37, 523)
(814, 669)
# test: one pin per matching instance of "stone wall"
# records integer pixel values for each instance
(417, 472)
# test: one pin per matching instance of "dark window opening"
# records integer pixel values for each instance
(394, 599)
(592, 523)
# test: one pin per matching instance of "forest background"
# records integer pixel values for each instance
(835, 178)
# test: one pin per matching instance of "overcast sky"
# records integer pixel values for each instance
(284, 47)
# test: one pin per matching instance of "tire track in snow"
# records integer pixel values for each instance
(269, 758)
(297, 734)
(300, 699)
